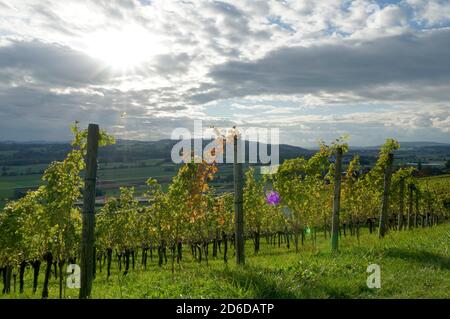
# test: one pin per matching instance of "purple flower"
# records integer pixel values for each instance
(273, 198)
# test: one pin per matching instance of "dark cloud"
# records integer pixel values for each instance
(45, 115)
(53, 64)
(408, 59)
(172, 63)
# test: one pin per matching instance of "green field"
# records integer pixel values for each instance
(9, 183)
(123, 176)
(414, 264)
(110, 176)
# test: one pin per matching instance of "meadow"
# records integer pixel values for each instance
(414, 264)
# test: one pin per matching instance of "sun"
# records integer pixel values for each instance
(123, 49)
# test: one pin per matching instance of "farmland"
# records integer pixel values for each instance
(130, 163)
(111, 177)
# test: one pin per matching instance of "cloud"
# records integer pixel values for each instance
(252, 107)
(172, 63)
(53, 64)
(431, 13)
(313, 68)
(409, 59)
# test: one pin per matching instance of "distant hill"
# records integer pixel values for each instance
(26, 153)
(408, 145)
(123, 150)
(29, 153)
(423, 144)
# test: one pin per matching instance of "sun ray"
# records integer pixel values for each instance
(123, 49)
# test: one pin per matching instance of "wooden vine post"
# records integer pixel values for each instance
(238, 204)
(88, 216)
(336, 201)
(386, 189)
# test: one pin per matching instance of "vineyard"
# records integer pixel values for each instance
(303, 210)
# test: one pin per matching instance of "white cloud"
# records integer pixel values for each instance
(431, 12)
(279, 60)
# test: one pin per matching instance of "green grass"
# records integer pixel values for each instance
(111, 173)
(9, 183)
(25, 169)
(134, 175)
(414, 264)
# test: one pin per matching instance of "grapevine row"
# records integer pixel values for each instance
(42, 229)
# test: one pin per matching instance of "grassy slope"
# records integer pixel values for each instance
(414, 264)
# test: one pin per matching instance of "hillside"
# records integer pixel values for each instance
(28, 153)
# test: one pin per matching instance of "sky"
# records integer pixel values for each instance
(141, 68)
